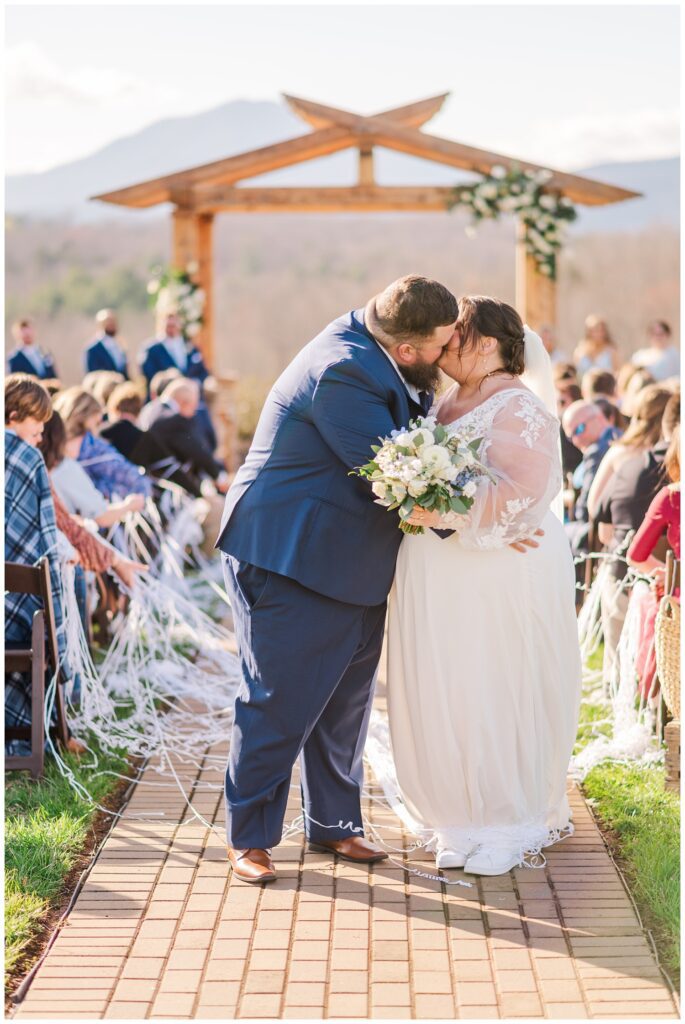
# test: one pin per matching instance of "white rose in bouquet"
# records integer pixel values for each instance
(380, 489)
(417, 487)
(399, 491)
(435, 458)
(402, 438)
(470, 489)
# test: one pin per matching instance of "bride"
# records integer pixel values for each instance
(483, 659)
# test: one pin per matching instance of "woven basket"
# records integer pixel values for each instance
(667, 644)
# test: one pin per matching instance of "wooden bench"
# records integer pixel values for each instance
(42, 656)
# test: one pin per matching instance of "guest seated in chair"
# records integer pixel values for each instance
(94, 553)
(176, 427)
(30, 533)
(590, 431)
(140, 446)
(111, 473)
(101, 383)
(158, 384)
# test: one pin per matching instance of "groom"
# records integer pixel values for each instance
(309, 560)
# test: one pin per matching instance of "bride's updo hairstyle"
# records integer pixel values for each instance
(483, 317)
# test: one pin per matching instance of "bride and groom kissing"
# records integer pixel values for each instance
(483, 660)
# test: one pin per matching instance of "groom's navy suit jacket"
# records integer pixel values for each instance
(293, 508)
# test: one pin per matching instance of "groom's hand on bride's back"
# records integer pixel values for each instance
(522, 545)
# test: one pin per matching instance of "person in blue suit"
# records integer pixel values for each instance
(171, 350)
(27, 357)
(104, 351)
(309, 560)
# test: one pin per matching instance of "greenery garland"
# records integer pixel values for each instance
(523, 193)
(174, 291)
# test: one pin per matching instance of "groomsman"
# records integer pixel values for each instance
(27, 357)
(172, 351)
(105, 352)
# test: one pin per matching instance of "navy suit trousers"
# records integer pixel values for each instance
(309, 664)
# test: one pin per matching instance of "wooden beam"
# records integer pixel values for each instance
(395, 129)
(192, 243)
(366, 172)
(233, 168)
(380, 131)
(413, 114)
(356, 198)
(330, 139)
(536, 294)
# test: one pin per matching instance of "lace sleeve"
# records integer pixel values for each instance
(521, 450)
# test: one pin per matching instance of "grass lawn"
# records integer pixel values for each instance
(49, 833)
(641, 822)
(644, 833)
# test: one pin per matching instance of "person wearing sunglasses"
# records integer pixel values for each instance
(586, 427)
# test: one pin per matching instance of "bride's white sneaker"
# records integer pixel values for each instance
(491, 860)
(451, 857)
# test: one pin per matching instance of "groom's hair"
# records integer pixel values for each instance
(410, 309)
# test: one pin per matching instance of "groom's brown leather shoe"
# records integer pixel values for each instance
(356, 849)
(252, 865)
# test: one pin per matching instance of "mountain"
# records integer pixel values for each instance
(176, 143)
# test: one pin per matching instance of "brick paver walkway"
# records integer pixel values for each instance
(161, 930)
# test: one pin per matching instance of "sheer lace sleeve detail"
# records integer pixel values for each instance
(521, 451)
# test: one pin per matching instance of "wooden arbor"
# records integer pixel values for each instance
(201, 192)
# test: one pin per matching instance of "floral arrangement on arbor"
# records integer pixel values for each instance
(174, 291)
(521, 192)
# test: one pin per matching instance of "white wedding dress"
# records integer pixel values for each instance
(484, 665)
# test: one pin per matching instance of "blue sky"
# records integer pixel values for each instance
(563, 85)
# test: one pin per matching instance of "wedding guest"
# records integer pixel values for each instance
(175, 426)
(140, 446)
(548, 335)
(95, 555)
(104, 351)
(101, 383)
(170, 349)
(598, 384)
(597, 348)
(157, 385)
(590, 431)
(30, 530)
(660, 356)
(662, 520)
(111, 473)
(622, 510)
(27, 357)
(630, 379)
(571, 456)
(642, 433)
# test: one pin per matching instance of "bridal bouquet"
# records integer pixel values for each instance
(427, 464)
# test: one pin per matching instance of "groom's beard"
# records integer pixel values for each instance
(424, 376)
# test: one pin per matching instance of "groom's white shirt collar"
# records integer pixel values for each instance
(411, 390)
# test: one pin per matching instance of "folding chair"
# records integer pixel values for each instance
(42, 655)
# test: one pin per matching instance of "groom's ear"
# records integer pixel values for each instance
(405, 354)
